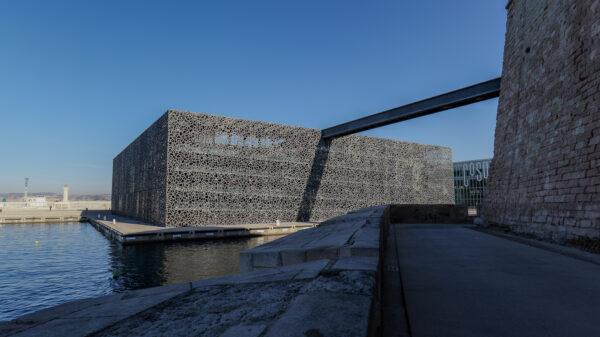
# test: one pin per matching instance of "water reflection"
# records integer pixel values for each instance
(74, 261)
(149, 265)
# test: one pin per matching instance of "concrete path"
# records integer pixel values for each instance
(461, 282)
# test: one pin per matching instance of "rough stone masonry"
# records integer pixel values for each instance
(190, 169)
(545, 175)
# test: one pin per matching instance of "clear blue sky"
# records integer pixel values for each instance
(79, 80)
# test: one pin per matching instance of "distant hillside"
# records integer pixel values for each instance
(56, 196)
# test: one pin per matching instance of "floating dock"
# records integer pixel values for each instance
(129, 231)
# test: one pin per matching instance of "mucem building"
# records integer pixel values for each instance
(190, 169)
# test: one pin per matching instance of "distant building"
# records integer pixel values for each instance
(36, 202)
(470, 181)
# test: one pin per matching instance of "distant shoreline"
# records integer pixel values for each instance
(12, 197)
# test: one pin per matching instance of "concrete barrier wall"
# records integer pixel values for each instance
(438, 214)
(224, 170)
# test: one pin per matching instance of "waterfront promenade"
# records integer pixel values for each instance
(360, 275)
(327, 295)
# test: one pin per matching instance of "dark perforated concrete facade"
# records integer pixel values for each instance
(216, 170)
(138, 184)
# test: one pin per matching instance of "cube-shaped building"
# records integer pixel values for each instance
(190, 169)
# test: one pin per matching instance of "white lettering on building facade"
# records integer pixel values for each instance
(475, 170)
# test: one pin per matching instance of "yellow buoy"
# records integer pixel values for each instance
(36, 242)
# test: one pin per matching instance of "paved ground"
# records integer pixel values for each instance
(460, 282)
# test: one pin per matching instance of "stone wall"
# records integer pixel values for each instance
(224, 170)
(545, 175)
(139, 171)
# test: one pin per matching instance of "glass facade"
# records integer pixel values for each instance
(470, 181)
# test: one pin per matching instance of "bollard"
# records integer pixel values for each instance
(114, 221)
(277, 222)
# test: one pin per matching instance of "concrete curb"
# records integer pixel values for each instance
(553, 247)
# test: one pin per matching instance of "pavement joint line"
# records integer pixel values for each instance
(328, 269)
(87, 317)
(572, 252)
(399, 271)
(293, 278)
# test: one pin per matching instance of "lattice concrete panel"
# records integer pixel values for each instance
(224, 170)
(139, 172)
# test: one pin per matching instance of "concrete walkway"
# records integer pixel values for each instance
(461, 282)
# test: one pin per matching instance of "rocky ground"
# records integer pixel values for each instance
(251, 309)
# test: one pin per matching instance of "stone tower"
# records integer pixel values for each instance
(545, 175)
(66, 193)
